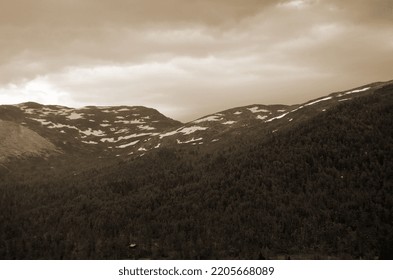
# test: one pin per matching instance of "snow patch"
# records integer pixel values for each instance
(93, 132)
(124, 130)
(28, 111)
(357, 90)
(59, 125)
(184, 130)
(131, 122)
(257, 110)
(278, 117)
(189, 141)
(127, 145)
(317, 101)
(42, 121)
(145, 127)
(191, 129)
(229, 122)
(111, 140)
(168, 134)
(90, 142)
(75, 116)
(238, 113)
(135, 135)
(208, 119)
(259, 117)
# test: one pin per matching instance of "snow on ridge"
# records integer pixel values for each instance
(208, 119)
(357, 90)
(311, 103)
(278, 117)
(317, 101)
(257, 110)
(127, 145)
(300, 107)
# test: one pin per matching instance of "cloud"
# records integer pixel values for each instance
(187, 58)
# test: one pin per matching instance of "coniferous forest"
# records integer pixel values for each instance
(320, 189)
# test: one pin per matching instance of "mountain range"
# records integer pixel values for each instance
(128, 132)
(311, 180)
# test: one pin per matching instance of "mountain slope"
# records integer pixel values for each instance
(101, 131)
(320, 186)
(129, 132)
(17, 141)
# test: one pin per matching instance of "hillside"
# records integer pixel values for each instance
(305, 181)
(17, 141)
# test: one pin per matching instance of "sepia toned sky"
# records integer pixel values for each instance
(190, 58)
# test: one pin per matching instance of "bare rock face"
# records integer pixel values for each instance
(19, 141)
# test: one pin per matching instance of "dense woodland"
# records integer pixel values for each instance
(321, 189)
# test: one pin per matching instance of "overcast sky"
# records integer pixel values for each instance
(189, 58)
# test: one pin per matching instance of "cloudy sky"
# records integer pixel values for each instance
(188, 58)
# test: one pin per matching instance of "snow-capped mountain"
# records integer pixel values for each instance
(128, 132)
(104, 131)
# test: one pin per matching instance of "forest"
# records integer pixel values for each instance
(321, 189)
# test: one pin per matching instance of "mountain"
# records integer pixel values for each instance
(129, 132)
(100, 130)
(262, 181)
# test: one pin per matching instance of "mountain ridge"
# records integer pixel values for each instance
(131, 131)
